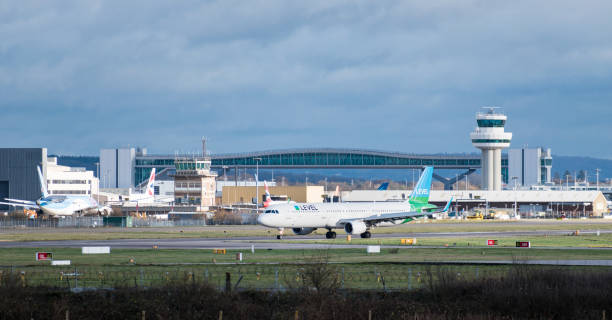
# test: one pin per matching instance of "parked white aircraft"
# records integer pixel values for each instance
(59, 206)
(354, 218)
(148, 196)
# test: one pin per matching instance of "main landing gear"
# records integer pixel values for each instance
(366, 235)
(330, 234)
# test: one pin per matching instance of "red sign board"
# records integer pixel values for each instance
(44, 256)
(491, 242)
(523, 244)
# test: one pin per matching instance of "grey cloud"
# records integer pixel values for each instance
(397, 75)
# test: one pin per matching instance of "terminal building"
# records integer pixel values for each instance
(528, 203)
(311, 158)
(127, 167)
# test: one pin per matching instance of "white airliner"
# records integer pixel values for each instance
(59, 206)
(354, 218)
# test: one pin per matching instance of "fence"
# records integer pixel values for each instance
(269, 277)
(92, 222)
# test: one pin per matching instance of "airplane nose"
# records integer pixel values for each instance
(262, 219)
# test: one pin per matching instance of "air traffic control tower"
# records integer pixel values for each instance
(491, 138)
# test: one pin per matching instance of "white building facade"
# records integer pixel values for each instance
(64, 180)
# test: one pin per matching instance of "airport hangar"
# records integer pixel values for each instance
(18, 175)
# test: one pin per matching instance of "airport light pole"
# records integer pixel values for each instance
(224, 175)
(515, 204)
(257, 182)
(98, 176)
(457, 180)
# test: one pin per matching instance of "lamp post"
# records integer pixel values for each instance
(597, 175)
(514, 179)
(224, 175)
(257, 182)
(457, 180)
(98, 176)
(515, 206)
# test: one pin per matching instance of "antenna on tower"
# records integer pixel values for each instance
(204, 146)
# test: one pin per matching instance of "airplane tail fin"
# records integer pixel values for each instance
(420, 194)
(383, 186)
(150, 190)
(43, 183)
(268, 198)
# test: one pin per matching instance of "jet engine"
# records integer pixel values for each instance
(303, 231)
(355, 227)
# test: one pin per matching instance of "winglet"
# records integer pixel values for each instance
(447, 205)
(420, 194)
(43, 184)
(150, 191)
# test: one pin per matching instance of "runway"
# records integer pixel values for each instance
(269, 242)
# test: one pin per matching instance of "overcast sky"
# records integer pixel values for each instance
(77, 76)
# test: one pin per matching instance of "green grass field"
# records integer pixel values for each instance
(401, 268)
(592, 241)
(147, 257)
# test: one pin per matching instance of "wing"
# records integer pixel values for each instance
(374, 219)
(21, 201)
(25, 205)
